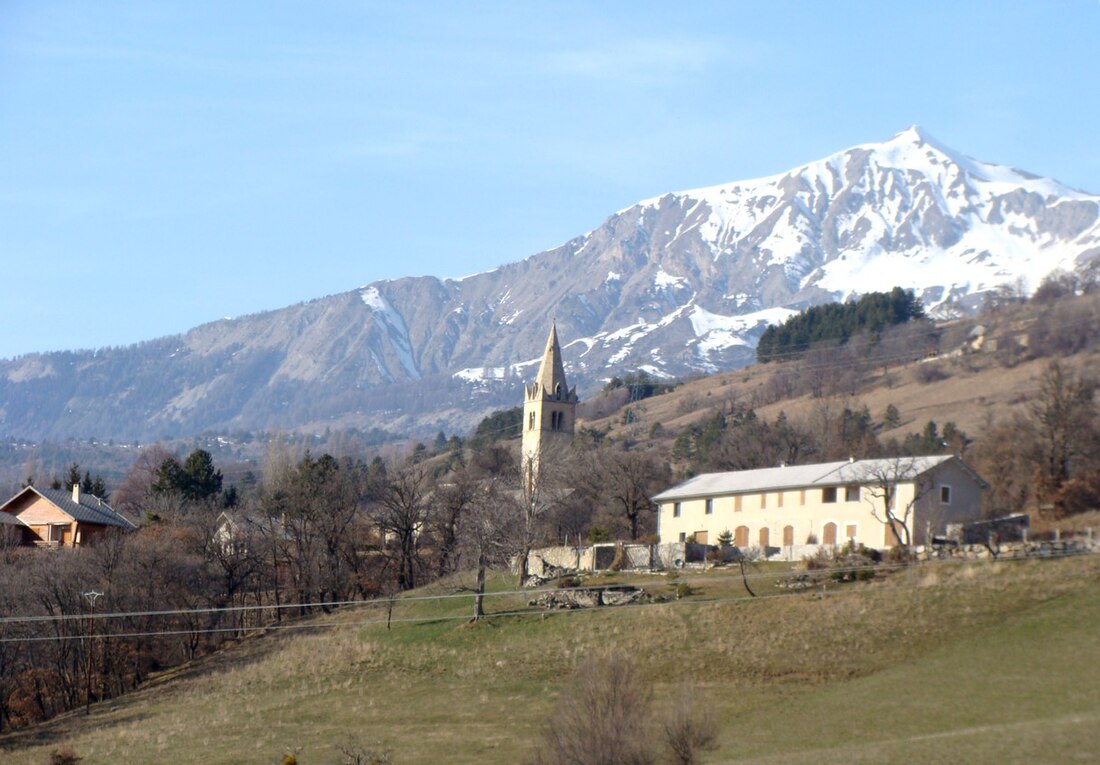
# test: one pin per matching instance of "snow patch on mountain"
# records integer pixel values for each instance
(481, 374)
(717, 333)
(664, 280)
(397, 332)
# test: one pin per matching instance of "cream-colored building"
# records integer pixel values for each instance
(786, 508)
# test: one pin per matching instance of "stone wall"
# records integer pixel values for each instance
(553, 562)
(1010, 550)
(550, 562)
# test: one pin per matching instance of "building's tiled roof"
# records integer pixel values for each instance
(7, 519)
(798, 476)
(242, 519)
(91, 509)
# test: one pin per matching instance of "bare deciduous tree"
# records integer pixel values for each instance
(538, 498)
(881, 480)
(1065, 421)
(629, 479)
(487, 533)
(131, 495)
(747, 560)
(402, 514)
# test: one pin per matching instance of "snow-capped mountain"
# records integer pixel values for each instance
(677, 284)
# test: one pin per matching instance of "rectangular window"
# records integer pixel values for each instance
(802, 497)
(763, 501)
(850, 531)
(945, 495)
(737, 504)
(675, 509)
(683, 536)
(710, 506)
(828, 494)
(779, 499)
(851, 494)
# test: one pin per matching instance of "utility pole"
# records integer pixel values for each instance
(90, 596)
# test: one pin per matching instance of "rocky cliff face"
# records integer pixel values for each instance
(678, 284)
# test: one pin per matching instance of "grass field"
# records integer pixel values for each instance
(980, 662)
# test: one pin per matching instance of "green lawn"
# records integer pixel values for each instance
(984, 662)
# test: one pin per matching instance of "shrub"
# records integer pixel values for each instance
(684, 590)
(689, 729)
(353, 753)
(64, 756)
(568, 581)
(605, 717)
(898, 554)
(929, 372)
(602, 718)
(1078, 495)
(598, 534)
(820, 559)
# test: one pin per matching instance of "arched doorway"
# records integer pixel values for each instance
(741, 537)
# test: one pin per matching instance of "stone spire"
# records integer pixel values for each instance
(550, 382)
(549, 412)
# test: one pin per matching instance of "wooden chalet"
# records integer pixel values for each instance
(55, 518)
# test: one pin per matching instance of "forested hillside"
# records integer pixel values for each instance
(837, 322)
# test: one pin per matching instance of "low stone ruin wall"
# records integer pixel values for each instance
(1009, 550)
(552, 562)
(590, 597)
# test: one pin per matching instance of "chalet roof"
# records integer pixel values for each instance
(90, 509)
(240, 519)
(801, 476)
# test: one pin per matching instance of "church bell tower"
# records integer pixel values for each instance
(549, 412)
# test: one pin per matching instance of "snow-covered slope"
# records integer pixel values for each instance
(681, 283)
(908, 212)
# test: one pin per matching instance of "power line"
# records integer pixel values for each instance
(499, 614)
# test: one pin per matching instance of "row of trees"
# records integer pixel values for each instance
(741, 440)
(1046, 458)
(837, 322)
(313, 532)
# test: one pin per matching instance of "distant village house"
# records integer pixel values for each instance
(54, 518)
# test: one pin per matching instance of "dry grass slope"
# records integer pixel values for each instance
(984, 662)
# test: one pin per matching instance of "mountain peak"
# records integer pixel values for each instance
(914, 134)
(683, 284)
(917, 137)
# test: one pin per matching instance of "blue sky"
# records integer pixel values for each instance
(166, 164)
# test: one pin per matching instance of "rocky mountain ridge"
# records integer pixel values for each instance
(679, 284)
